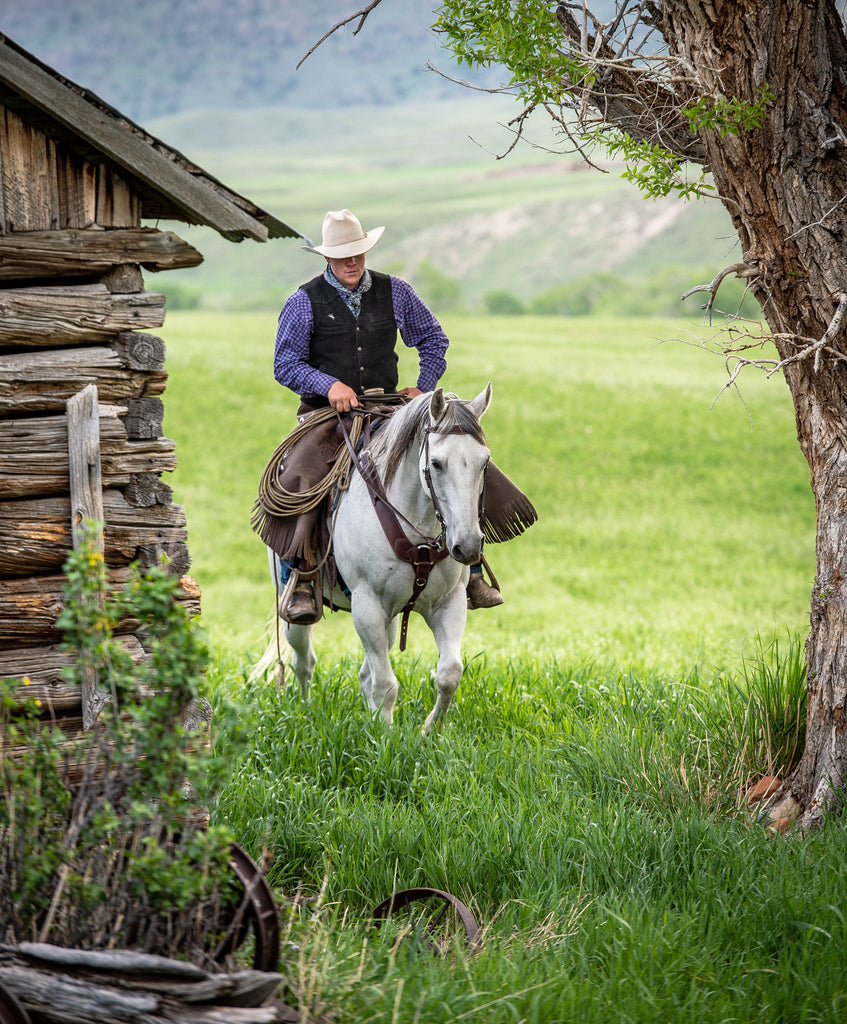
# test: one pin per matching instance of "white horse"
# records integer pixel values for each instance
(430, 458)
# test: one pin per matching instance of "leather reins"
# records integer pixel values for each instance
(422, 557)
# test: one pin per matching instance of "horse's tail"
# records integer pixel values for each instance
(272, 659)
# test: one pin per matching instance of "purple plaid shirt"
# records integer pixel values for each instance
(418, 328)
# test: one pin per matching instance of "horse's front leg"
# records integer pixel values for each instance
(377, 682)
(303, 662)
(447, 622)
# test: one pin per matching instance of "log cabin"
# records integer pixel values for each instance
(81, 376)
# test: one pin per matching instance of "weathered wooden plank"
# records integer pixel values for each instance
(42, 380)
(44, 667)
(29, 608)
(35, 535)
(74, 314)
(77, 200)
(86, 506)
(35, 458)
(28, 184)
(52, 254)
(70, 986)
(86, 482)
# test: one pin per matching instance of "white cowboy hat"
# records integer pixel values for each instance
(343, 236)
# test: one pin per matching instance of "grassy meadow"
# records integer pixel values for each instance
(586, 797)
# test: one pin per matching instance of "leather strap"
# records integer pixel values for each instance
(422, 557)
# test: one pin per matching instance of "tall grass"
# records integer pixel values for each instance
(594, 821)
(587, 796)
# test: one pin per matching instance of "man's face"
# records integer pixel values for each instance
(348, 270)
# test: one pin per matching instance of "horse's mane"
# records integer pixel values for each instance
(407, 425)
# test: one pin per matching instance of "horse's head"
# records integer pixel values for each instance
(452, 467)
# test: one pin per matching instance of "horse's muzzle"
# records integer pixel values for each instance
(468, 551)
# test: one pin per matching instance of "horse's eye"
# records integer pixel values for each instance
(436, 464)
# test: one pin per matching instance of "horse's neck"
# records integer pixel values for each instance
(408, 496)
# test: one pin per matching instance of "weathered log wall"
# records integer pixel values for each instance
(74, 312)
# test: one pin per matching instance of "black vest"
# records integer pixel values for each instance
(360, 353)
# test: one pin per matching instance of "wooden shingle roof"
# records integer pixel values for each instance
(169, 185)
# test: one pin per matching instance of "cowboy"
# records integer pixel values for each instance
(336, 339)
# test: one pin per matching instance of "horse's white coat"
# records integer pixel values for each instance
(380, 584)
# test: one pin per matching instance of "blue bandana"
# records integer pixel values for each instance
(352, 296)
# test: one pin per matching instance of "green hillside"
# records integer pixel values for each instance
(455, 214)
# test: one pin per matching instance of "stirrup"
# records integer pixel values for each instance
(283, 606)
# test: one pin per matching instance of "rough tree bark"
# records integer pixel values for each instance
(785, 187)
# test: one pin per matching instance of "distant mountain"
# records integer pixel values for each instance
(163, 57)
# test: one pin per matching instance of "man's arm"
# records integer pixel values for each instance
(419, 329)
(291, 353)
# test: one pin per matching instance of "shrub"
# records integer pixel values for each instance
(437, 289)
(101, 843)
(503, 303)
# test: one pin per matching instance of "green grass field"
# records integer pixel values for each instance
(670, 532)
(586, 796)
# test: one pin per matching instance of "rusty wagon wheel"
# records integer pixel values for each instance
(256, 912)
(11, 1011)
(429, 918)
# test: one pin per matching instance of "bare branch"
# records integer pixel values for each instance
(361, 15)
(739, 269)
(502, 90)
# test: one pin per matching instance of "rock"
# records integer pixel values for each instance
(763, 790)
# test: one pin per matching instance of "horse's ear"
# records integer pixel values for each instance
(437, 404)
(481, 402)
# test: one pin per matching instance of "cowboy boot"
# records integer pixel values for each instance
(301, 608)
(481, 594)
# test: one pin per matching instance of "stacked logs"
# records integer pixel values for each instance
(74, 314)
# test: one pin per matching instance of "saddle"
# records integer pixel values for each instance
(306, 472)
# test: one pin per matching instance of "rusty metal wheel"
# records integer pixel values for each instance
(11, 1011)
(428, 918)
(257, 912)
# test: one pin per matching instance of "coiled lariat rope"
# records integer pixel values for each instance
(276, 500)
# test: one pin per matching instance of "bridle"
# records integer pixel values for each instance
(431, 550)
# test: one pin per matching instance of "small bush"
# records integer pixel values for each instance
(503, 303)
(98, 845)
(437, 289)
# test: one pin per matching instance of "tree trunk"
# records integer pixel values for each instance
(784, 185)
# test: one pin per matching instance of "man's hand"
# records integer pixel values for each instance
(342, 398)
(410, 392)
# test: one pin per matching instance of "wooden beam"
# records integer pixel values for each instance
(86, 507)
(35, 455)
(52, 254)
(74, 314)
(42, 380)
(117, 140)
(29, 608)
(86, 482)
(35, 534)
(44, 667)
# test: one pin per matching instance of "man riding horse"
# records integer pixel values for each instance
(336, 341)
